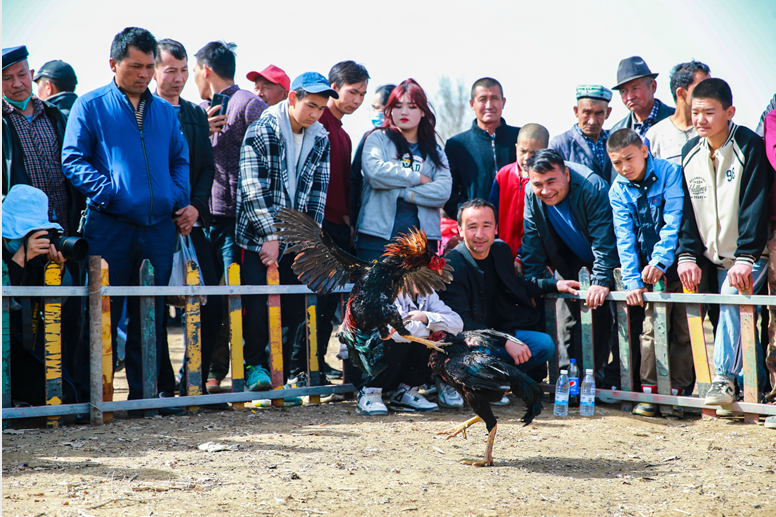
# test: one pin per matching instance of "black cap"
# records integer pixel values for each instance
(632, 68)
(57, 70)
(13, 55)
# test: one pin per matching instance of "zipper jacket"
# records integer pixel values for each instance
(726, 207)
(647, 218)
(135, 169)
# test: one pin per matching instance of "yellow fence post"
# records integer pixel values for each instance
(700, 354)
(275, 335)
(193, 334)
(749, 353)
(53, 338)
(107, 344)
(313, 368)
(236, 335)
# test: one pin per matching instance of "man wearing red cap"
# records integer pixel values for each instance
(270, 85)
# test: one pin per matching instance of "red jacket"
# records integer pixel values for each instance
(338, 195)
(508, 196)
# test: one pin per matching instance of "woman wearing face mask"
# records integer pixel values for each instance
(406, 175)
(356, 176)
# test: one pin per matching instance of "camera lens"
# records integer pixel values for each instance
(73, 248)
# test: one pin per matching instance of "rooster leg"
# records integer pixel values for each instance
(488, 461)
(430, 344)
(455, 431)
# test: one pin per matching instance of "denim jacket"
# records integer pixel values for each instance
(647, 232)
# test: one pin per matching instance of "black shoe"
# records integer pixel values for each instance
(170, 411)
(331, 373)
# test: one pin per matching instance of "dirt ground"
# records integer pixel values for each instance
(328, 460)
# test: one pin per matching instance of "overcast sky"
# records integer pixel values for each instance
(539, 50)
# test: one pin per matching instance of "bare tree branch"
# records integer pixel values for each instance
(452, 107)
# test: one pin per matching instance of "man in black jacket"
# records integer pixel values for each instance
(487, 293)
(56, 85)
(568, 225)
(170, 73)
(476, 155)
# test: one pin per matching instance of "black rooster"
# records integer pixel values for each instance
(471, 367)
(409, 266)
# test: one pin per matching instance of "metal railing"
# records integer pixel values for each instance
(101, 405)
(703, 370)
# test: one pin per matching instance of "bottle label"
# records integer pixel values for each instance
(573, 386)
(561, 398)
(587, 400)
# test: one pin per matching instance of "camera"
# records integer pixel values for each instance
(72, 248)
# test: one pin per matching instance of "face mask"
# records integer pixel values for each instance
(21, 105)
(378, 118)
(14, 245)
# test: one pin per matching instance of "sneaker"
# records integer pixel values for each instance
(722, 391)
(447, 396)
(503, 402)
(402, 399)
(729, 413)
(645, 409)
(300, 381)
(257, 378)
(770, 422)
(214, 386)
(370, 402)
(672, 411)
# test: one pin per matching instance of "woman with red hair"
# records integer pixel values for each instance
(406, 175)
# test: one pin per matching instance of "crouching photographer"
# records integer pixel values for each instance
(30, 242)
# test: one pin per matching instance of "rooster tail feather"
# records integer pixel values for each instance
(530, 392)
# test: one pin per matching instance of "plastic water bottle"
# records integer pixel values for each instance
(587, 398)
(562, 394)
(573, 383)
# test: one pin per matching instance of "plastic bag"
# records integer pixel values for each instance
(184, 251)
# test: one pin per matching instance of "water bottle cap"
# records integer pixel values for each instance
(564, 372)
(589, 371)
(574, 361)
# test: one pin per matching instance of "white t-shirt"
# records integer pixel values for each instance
(666, 140)
(298, 138)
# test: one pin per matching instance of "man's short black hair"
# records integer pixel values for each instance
(623, 138)
(546, 160)
(174, 48)
(139, 38)
(475, 203)
(384, 92)
(60, 84)
(716, 89)
(683, 75)
(486, 82)
(347, 72)
(220, 57)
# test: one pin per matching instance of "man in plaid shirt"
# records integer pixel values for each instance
(284, 162)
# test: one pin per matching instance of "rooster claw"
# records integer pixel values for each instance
(436, 345)
(483, 463)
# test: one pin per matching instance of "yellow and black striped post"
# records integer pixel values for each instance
(275, 335)
(193, 335)
(53, 338)
(236, 335)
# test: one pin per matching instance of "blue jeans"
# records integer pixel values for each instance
(124, 246)
(540, 344)
(221, 237)
(728, 359)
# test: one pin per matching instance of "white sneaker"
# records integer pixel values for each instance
(370, 402)
(503, 402)
(447, 396)
(402, 399)
(722, 391)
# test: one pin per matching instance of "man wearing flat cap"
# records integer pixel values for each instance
(56, 85)
(585, 142)
(32, 142)
(270, 85)
(637, 86)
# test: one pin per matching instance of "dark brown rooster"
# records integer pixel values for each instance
(409, 266)
(472, 367)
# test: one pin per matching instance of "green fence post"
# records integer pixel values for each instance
(148, 336)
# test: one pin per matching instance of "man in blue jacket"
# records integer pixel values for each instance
(568, 225)
(124, 149)
(585, 142)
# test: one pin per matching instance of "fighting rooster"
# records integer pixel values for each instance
(409, 266)
(472, 367)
